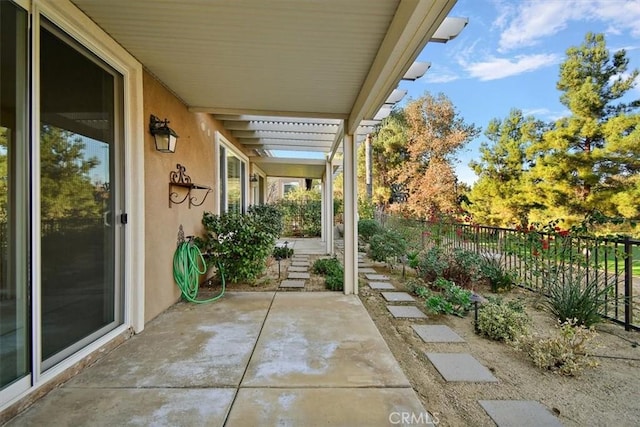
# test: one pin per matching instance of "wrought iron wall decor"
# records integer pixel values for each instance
(180, 182)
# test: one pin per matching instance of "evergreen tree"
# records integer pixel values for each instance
(499, 196)
(592, 154)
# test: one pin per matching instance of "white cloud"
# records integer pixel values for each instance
(546, 114)
(533, 21)
(499, 68)
(440, 77)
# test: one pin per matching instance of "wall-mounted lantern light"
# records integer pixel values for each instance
(254, 177)
(164, 136)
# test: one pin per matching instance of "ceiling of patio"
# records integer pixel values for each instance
(281, 75)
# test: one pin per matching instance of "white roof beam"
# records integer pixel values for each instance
(413, 25)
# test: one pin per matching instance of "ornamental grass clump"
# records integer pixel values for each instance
(565, 353)
(502, 321)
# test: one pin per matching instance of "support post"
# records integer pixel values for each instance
(350, 216)
(368, 166)
(328, 196)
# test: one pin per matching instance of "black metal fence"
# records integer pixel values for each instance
(614, 262)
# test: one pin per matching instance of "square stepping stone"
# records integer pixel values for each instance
(298, 269)
(364, 265)
(300, 258)
(292, 284)
(436, 333)
(366, 270)
(381, 285)
(379, 277)
(520, 413)
(300, 264)
(406, 312)
(397, 297)
(460, 367)
(297, 275)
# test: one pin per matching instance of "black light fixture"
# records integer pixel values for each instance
(254, 177)
(164, 136)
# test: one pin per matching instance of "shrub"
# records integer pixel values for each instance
(417, 287)
(430, 264)
(566, 353)
(387, 246)
(281, 252)
(577, 295)
(367, 228)
(240, 243)
(452, 300)
(502, 321)
(464, 267)
(332, 269)
(494, 272)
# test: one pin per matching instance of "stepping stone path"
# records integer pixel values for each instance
(520, 413)
(436, 333)
(406, 312)
(381, 285)
(397, 297)
(458, 367)
(298, 272)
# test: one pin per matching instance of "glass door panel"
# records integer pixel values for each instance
(15, 335)
(80, 117)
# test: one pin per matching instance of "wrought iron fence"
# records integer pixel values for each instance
(613, 261)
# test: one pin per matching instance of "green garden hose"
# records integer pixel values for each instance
(186, 272)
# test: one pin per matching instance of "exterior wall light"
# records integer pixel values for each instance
(164, 136)
(254, 177)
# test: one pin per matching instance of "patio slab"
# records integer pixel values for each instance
(304, 343)
(366, 270)
(381, 285)
(297, 275)
(322, 406)
(398, 297)
(436, 333)
(460, 367)
(186, 368)
(406, 312)
(292, 284)
(298, 269)
(378, 277)
(365, 265)
(519, 413)
(70, 406)
(184, 347)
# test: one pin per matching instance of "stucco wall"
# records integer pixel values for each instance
(195, 151)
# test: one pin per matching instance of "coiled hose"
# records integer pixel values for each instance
(187, 271)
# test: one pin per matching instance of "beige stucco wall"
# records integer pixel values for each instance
(195, 151)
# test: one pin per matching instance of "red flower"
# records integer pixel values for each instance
(458, 232)
(545, 244)
(563, 233)
(535, 252)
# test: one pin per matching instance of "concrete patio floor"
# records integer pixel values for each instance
(250, 359)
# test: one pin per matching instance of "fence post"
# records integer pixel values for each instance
(628, 284)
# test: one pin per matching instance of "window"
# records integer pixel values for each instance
(233, 178)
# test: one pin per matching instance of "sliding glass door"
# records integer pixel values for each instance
(15, 349)
(81, 111)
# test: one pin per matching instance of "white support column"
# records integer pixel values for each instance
(350, 216)
(323, 211)
(328, 205)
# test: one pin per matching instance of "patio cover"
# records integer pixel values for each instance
(289, 75)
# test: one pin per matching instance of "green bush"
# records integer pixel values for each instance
(451, 300)
(368, 228)
(431, 263)
(502, 321)
(495, 273)
(579, 296)
(387, 246)
(332, 270)
(281, 252)
(240, 243)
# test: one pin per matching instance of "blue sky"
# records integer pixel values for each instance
(509, 54)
